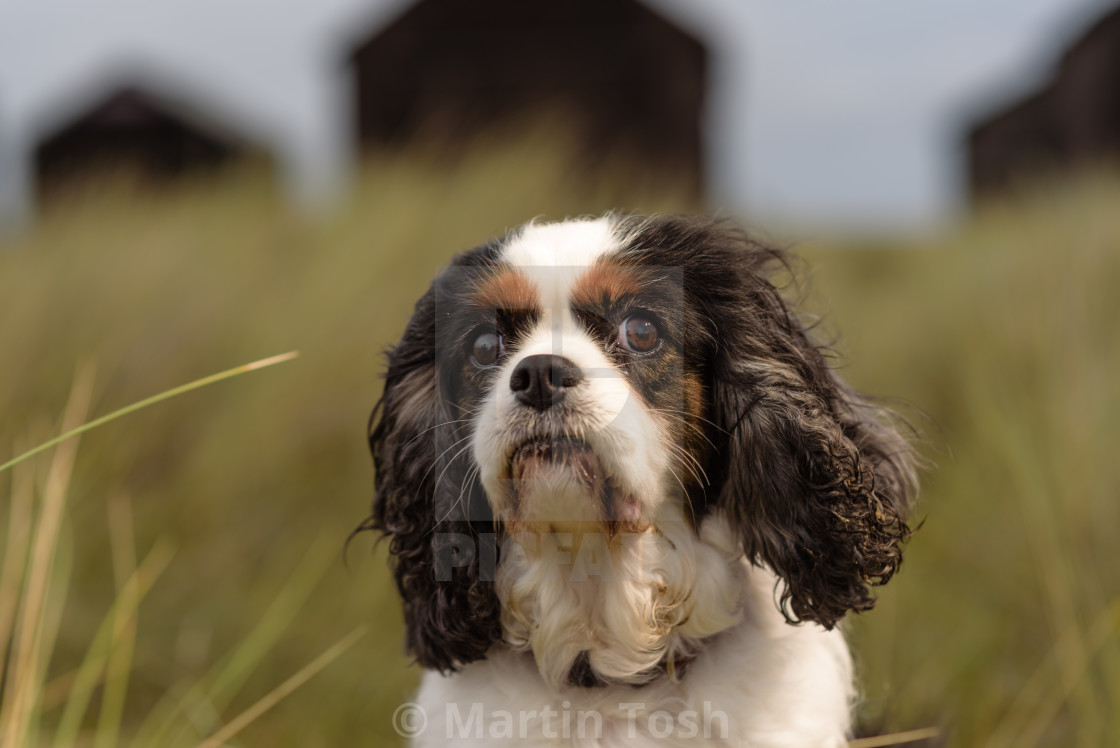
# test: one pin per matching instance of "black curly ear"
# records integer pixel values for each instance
(817, 479)
(439, 550)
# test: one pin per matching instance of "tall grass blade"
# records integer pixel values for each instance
(241, 721)
(57, 590)
(23, 674)
(204, 701)
(15, 554)
(895, 738)
(117, 670)
(98, 653)
(1104, 628)
(167, 394)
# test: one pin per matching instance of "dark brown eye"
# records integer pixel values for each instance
(639, 334)
(487, 348)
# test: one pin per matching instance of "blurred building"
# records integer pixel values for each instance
(143, 134)
(625, 80)
(1070, 121)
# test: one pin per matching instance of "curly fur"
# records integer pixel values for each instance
(817, 478)
(451, 613)
(792, 479)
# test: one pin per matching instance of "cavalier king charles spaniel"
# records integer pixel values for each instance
(627, 497)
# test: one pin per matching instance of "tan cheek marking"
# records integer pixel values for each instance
(694, 404)
(693, 391)
(606, 283)
(508, 288)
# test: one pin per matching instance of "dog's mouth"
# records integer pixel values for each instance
(555, 453)
(541, 468)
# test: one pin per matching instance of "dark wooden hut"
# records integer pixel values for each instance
(1073, 120)
(142, 134)
(624, 78)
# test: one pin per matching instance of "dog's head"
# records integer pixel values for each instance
(614, 376)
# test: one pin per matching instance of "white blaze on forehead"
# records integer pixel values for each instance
(553, 255)
(568, 244)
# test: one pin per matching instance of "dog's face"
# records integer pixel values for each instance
(623, 377)
(578, 380)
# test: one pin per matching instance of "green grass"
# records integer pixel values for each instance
(1002, 627)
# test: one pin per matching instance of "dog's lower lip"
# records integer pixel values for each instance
(548, 447)
(555, 450)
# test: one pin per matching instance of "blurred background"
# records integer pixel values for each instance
(189, 186)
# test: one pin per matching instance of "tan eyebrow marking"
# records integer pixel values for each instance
(605, 283)
(506, 288)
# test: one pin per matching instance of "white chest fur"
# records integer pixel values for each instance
(761, 683)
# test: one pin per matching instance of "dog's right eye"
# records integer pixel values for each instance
(487, 348)
(638, 334)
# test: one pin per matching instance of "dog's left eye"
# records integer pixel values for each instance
(487, 348)
(638, 334)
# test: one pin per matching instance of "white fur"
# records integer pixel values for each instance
(634, 602)
(611, 419)
(623, 434)
(780, 686)
(570, 244)
(631, 601)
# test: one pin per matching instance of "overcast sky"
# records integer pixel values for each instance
(831, 112)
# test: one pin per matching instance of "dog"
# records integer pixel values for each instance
(627, 498)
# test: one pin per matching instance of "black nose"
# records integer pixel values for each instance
(540, 381)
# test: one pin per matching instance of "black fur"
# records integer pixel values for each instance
(582, 675)
(816, 478)
(451, 612)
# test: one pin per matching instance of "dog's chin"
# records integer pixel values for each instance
(559, 484)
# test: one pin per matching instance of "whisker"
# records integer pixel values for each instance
(435, 462)
(451, 462)
(430, 428)
(692, 415)
(688, 462)
(691, 459)
(684, 491)
(472, 474)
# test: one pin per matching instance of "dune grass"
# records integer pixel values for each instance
(195, 547)
(28, 584)
(1004, 626)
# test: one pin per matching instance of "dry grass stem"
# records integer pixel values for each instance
(274, 697)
